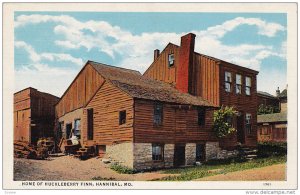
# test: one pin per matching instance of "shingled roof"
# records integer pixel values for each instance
(265, 94)
(137, 86)
(269, 118)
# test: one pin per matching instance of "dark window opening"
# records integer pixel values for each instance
(201, 116)
(157, 152)
(171, 60)
(77, 128)
(122, 117)
(90, 127)
(229, 120)
(158, 113)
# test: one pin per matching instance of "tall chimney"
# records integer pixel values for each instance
(184, 69)
(156, 54)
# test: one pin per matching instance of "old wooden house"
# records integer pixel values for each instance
(272, 127)
(34, 115)
(163, 118)
(215, 80)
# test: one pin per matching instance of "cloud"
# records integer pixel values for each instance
(35, 57)
(136, 50)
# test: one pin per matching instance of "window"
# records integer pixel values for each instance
(90, 129)
(228, 81)
(248, 86)
(201, 116)
(158, 112)
(122, 117)
(157, 152)
(238, 84)
(77, 128)
(248, 123)
(229, 120)
(171, 59)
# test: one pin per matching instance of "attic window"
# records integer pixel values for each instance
(122, 117)
(171, 60)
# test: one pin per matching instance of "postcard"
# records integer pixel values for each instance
(150, 96)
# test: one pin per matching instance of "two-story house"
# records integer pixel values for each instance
(215, 80)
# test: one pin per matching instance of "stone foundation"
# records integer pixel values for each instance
(121, 153)
(142, 153)
(213, 151)
(190, 153)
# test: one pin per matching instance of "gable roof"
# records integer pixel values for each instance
(262, 93)
(269, 118)
(283, 94)
(137, 86)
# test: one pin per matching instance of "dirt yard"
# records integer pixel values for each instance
(270, 173)
(70, 168)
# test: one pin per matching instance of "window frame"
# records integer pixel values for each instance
(158, 121)
(248, 87)
(238, 85)
(77, 119)
(248, 123)
(122, 117)
(158, 157)
(201, 113)
(228, 82)
(169, 61)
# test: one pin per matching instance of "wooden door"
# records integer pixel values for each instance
(240, 129)
(179, 155)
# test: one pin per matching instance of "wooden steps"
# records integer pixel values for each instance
(85, 152)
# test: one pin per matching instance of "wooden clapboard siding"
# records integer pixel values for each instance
(241, 102)
(80, 91)
(160, 69)
(106, 104)
(33, 114)
(178, 125)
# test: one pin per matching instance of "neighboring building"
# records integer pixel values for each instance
(215, 80)
(272, 127)
(267, 100)
(34, 115)
(140, 122)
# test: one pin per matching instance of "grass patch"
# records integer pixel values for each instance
(122, 169)
(103, 178)
(214, 168)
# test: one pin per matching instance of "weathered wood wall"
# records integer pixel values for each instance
(106, 104)
(80, 91)
(241, 102)
(178, 125)
(160, 69)
(273, 132)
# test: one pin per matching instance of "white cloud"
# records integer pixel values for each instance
(136, 50)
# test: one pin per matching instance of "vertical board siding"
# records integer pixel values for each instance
(80, 91)
(160, 69)
(106, 104)
(178, 125)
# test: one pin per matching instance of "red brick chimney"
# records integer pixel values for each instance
(156, 54)
(183, 75)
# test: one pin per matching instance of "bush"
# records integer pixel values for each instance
(266, 149)
(223, 121)
(122, 169)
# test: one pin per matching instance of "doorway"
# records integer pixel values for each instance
(240, 129)
(179, 155)
(68, 130)
(200, 152)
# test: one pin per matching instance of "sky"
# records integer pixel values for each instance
(50, 48)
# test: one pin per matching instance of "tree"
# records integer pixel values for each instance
(223, 121)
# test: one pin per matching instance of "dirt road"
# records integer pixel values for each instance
(70, 168)
(270, 173)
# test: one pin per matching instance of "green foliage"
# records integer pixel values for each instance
(122, 169)
(223, 121)
(267, 109)
(213, 168)
(103, 178)
(266, 149)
